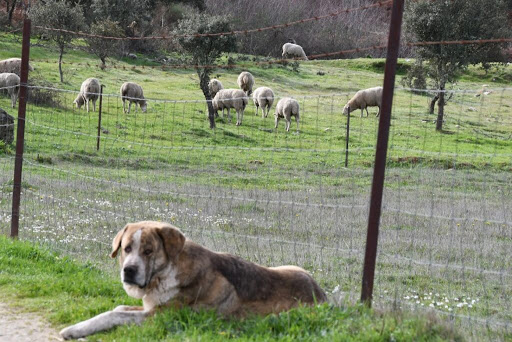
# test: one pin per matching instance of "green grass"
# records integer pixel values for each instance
(65, 292)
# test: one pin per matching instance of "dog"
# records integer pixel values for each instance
(164, 269)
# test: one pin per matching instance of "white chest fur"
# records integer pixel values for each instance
(166, 289)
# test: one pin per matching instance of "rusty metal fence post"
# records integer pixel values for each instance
(381, 152)
(99, 118)
(346, 139)
(20, 134)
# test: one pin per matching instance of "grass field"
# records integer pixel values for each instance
(48, 282)
(276, 197)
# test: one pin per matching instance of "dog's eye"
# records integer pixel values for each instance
(128, 249)
(148, 252)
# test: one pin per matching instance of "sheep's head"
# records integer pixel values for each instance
(79, 101)
(143, 105)
(346, 109)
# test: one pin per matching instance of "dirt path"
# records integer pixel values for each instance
(19, 326)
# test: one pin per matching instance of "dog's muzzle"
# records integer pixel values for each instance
(130, 274)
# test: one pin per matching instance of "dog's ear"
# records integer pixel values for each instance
(173, 239)
(116, 243)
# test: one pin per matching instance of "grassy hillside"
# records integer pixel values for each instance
(66, 292)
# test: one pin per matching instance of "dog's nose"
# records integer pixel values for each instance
(130, 271)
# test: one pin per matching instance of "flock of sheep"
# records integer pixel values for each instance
(222, 98)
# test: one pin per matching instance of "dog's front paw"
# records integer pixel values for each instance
(72, 332)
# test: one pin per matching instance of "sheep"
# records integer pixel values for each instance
(89, 91)
(286, 107)
(12, 65)
(214, 86)
(363, 99)
(231, 98)
(293, 50)
(263, 97)
(246, 82)
(133, 93)
(11, 81)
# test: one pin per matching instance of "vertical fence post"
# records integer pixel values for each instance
(346, 139)
(99, 118)
(20, 133)
(380, 153)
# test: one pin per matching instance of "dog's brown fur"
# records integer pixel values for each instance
(179, 272)
(222, 281)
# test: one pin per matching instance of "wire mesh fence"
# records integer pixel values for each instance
(285, 198)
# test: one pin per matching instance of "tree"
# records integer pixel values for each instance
(10, 5)
(448, 20)
(205, 51)
(130, 14)
(58, 14)
(101, 47)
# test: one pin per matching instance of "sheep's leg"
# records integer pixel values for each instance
(297, 120)
(229, 114)
(288, 121)
(378, 113)
(277, 120)
(367, 114)
(362, 111)
(124, 106)
(237, 117)
(13, 100)
(129, 106)
(93, 105)
(87, 105)
(257, 107)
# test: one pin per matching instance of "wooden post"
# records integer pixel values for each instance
(99, 118)
(20, 133)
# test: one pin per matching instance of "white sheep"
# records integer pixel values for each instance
(89, 91)
(246, 82)
(214, 86)
(363, 99)
(12, 65)
(11, 82)
(263, 97)
(286, 107)
(231, 98)
(291, 50)
(133, 93)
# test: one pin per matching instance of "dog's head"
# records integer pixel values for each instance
(147, 247)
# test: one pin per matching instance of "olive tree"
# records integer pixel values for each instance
(449, 20)
(205, 50)
(103, 47)
(58, 14)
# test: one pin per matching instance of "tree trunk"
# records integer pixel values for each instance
(204, 79)
(60, 64)
(11, 10)
(440, 111)
(433, 104)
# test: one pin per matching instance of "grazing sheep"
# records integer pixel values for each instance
(231, 98)
(263, 97)
(246, 82)
(291, 50)
(12, 65)
(286, 107)
(214, 86)
(11, 82)
(89, 91)
(133, 93)
(364, 99)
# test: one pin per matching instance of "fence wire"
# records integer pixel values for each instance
(285, 198)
